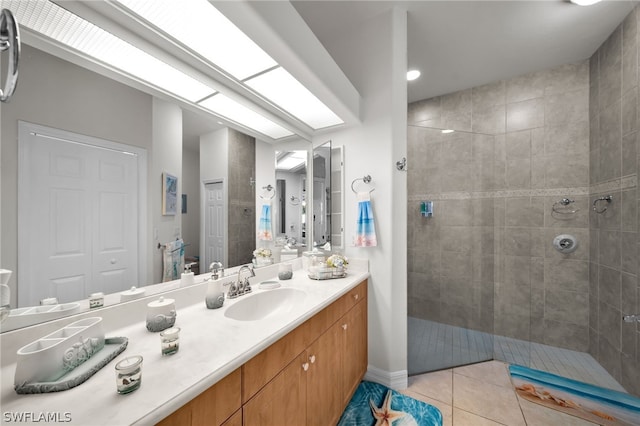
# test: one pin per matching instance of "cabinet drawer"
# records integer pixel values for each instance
(355, 295)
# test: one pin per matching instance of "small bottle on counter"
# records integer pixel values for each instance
(129, 374)
(96, 300)
(170, 341)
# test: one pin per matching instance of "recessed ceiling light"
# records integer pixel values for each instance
(448, 131)
(585, 2)
(412, 75)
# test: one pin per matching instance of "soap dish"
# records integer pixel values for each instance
(267, 285)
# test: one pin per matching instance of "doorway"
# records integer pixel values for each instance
(214, 225)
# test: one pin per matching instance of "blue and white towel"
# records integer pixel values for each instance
(365, 229)
(172, 260)
(264, 227)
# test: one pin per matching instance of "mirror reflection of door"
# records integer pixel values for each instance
(214, 224)
(83, 212)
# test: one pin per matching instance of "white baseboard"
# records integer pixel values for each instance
(393, 379)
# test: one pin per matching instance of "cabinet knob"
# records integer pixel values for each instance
(356, 296)
(305, 366)
(312, 358)
(344, 326)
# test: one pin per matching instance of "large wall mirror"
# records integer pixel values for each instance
(193, 148)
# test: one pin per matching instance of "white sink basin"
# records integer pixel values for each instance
(265, 304)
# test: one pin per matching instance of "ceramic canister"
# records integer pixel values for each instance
(161, 314)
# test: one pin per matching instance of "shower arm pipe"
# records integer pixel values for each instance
(9, 40)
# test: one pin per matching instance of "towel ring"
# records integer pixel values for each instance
(564, 202)
(365, 179)
(269, 188)
(607, 198)
(9, 40)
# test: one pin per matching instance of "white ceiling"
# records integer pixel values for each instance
(462, 44)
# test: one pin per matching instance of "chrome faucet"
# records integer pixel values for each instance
(242, 286)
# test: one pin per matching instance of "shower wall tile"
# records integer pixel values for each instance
(630, 51)
(427, 112)
(489, 95)
(610, 76)
(629, 252)
(567, 307)
(628, 210)
(609, 249)
(630, 154)
(566, 171)
(489, 119)
(567, 107)
(527, 114)
(567, 78)
(525, 87)
(566, 274)
(456, 111)
(630, 111)
(525, 211)
(610, 286)
(610, 325)
(565, 335)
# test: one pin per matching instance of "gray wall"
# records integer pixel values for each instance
(614, 234)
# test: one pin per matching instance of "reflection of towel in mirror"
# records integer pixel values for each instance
(172, 260)
(365, 228)
(264, 227)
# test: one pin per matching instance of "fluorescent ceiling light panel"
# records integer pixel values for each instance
(63, 26)
(234, 111)
(201, 27)
(292, 160)
(284, 90)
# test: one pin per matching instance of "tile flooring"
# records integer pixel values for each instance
(482, 395)
(435, 346)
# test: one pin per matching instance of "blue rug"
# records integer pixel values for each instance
(599, 405)
(373, 404)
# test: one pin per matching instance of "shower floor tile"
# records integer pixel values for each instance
(435, 346)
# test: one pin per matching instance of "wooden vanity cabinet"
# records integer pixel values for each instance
(305, 378)
(212, 407)
(321, 381)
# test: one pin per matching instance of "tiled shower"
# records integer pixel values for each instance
(484, 262)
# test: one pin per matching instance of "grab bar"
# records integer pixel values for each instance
(9, 39)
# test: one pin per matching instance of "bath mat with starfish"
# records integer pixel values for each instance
(596, 404)
(375, 404)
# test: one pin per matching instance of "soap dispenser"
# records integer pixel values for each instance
(161, 314)
(187, 277)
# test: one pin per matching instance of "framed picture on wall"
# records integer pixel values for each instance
(169, 194)
(184, 203)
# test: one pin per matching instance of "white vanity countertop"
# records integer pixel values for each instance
(211, 347)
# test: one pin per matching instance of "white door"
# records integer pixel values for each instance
(80, 204)
(214, 224)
